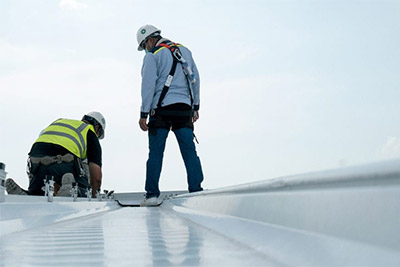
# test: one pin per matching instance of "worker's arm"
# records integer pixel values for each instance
(95, 177)
(149, 82)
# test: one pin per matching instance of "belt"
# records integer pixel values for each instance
(47, 160)
(173, 113)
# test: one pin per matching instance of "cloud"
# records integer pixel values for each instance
(391, 148)
(72, 4)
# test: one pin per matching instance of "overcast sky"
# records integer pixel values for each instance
(287, 87)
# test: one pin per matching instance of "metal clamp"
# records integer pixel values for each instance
(89, 193)
(49, 187)
(74, 191)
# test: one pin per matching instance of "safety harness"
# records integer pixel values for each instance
(190, 78)
(177, 58)
(47, 160)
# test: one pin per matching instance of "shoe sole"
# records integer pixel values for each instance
(66, 186)
(13, 188)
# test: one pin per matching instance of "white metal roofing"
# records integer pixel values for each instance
(344, 217)
(125, 237)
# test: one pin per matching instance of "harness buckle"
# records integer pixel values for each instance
(169, 80)
(177, 55)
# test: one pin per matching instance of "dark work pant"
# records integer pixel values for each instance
(57, 170)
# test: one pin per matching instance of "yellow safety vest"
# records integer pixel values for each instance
(70, 134)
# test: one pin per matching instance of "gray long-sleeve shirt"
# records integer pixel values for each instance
(155, 70)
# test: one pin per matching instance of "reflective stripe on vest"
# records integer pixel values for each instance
(70, 134)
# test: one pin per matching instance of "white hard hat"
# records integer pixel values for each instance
(100, 119)
(144, 32)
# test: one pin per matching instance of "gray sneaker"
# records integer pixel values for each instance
(13, 188)
(149, 202)
(66, 185)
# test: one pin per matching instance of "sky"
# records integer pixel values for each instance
(287, 87)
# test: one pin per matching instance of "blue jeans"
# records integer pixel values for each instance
(157, 140)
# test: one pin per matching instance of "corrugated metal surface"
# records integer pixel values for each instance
(345, 217)
(126, 237)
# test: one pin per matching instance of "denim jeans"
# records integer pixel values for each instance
(157, 140)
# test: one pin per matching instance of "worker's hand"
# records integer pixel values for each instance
(195, 116)
(143, 124)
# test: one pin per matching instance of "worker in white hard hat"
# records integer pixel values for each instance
(58, 153)
(170, 101)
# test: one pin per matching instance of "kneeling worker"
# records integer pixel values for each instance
(59, 152)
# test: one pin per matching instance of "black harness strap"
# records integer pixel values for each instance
(168, 83)
(172, 47)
